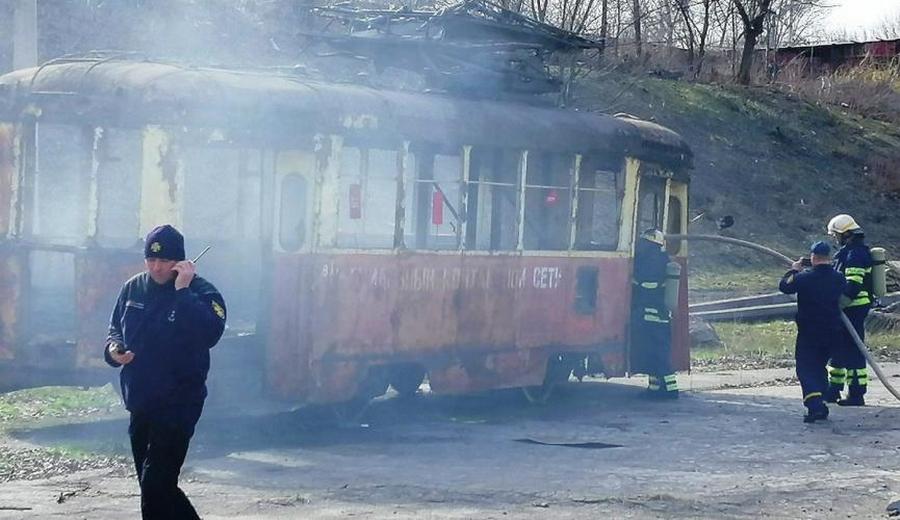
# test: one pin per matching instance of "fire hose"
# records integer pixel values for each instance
(763, 249)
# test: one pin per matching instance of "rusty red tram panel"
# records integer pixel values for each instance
(473, 321)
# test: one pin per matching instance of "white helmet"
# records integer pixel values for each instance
(841, 224)
(653, 235)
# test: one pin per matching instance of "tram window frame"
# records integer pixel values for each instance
(213, 173)
(119, 159)
(492, 225)
(376, 172)
(293, 204)
(426, 185)
(673, 226)
(61, 173)
(654, 219)
(548, 174)
(589, 219)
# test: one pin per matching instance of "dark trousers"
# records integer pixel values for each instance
(159, 444)
(654, 339)
(811, 354)
(847, 362)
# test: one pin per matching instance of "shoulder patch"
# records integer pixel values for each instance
(220, 312)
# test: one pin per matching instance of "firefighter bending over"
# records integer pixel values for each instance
(650, 317)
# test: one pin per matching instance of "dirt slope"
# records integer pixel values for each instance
(780, 165)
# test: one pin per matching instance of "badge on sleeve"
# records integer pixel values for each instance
(220, 312)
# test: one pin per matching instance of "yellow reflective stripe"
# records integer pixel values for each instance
(861, 375)
(838, 376)
(861, 271)
(855, 279)
(860, 301)
(650, 285)
(810, 395)
(671, 383)
(654, 318)
(651, 310)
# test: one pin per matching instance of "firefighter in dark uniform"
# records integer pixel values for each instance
(818, 291)
(651, 327)
(164, 323)
(854, 260)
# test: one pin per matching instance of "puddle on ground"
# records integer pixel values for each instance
(585, 445)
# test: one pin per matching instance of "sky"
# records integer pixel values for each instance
(854, 15)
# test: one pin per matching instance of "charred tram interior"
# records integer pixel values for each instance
(362, 237)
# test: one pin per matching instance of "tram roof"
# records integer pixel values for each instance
(135, 93)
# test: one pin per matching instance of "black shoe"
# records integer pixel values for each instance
(832, 395)
(659, 395)
(852, 400)
(816, 415)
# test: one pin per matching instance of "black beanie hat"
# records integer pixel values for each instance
(164, 242)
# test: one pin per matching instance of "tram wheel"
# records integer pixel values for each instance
(558, 371)
(406, 379)
(372, 385)
(538, 394)
(350, 411)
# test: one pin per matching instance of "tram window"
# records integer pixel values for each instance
(433, 216)
(368, 188)
(292, 221)
(548, 201)
(492, 200)
(673, 227)
(651, 203)
(211, 187)
(119, 159)
(62, 166)
(599, 189)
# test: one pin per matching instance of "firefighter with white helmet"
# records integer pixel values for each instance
(841, 224)
(854, 261)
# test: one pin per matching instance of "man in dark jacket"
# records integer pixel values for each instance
(650, 318)
(854, 260)
(162, 327)
(818, 291)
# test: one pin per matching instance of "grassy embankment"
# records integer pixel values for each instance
(38, 407)
(781, 166)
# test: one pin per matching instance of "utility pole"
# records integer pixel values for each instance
(24, 34)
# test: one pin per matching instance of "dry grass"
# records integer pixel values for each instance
(871, 88)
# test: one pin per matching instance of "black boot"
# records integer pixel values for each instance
(818, 413)
(852, 400)
(659, 395)
(833, 394)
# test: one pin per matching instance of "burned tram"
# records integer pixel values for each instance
(363, 238)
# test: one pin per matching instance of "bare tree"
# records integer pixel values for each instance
(604, 22)
(636, 17)
(889, 28)
(753, 15)
(696, 18)
(791, 22)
